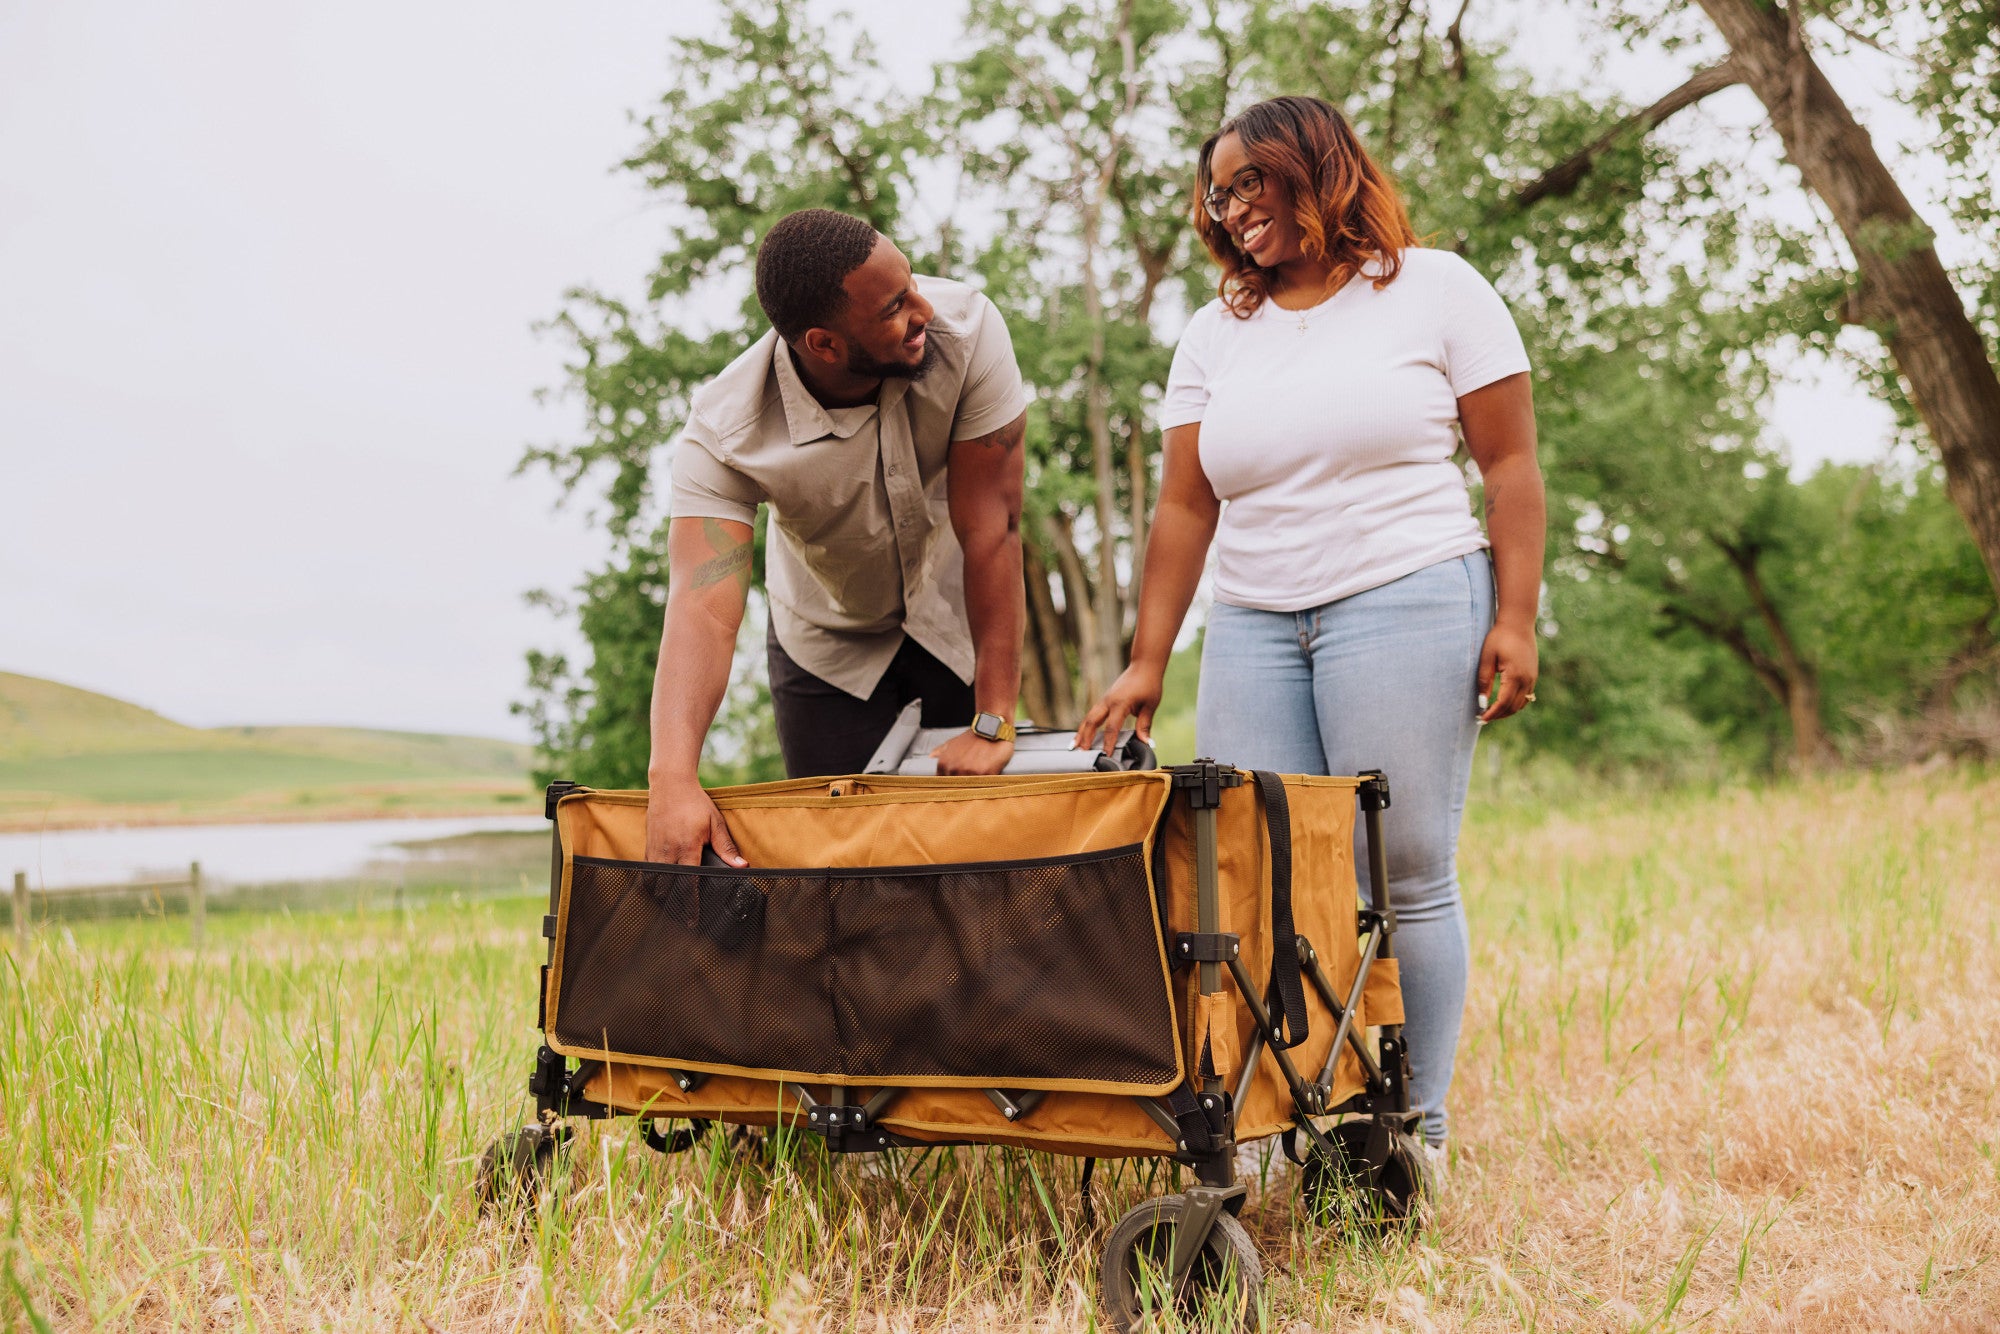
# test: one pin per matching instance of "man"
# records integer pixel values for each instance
(881, 421)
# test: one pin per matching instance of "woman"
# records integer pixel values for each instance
(1311, 418)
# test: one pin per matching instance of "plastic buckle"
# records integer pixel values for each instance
(555, 792)
(1374, 791)
(1204, 780)
(1209, 947)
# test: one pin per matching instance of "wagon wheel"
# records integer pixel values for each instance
(1219, 1291)
(1345, 1185)
(515, 1168)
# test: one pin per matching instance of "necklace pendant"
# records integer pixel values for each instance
(1304, 324)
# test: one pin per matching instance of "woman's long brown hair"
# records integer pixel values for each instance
(1347, 208)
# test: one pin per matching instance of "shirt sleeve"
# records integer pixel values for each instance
(1186, 397)
(1481, 342)
(993, 394)
(704, 487)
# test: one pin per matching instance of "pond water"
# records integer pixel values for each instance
(259, 854)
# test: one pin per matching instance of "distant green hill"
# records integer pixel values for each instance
(60, 746)
(429, 750)
(48, 720)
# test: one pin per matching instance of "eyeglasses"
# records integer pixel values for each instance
(1249, 183)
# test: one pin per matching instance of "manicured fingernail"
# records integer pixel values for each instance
(1482, 703)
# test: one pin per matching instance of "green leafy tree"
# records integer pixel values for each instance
(1936, 359)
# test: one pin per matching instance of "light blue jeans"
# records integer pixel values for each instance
(1386, 679)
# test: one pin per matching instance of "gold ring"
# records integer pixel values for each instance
(1530, 698)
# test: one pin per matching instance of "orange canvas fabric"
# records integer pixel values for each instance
(906, 821)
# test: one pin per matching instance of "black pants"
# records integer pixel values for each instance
(823, 731)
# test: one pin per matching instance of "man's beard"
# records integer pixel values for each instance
(861, 364)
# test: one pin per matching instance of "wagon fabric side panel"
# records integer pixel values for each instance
(1324, 903)
(897, 932)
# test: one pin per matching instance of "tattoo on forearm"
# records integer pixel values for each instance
(731, 559)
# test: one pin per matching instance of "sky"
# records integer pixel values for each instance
(269, 281)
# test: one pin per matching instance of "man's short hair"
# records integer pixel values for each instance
(801, 264)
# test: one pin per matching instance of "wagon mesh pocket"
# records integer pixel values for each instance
(1022, 974)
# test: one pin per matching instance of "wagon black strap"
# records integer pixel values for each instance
(1285, 979)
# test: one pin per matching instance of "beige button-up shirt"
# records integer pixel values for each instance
(861, 550)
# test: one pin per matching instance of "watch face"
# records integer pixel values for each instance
(986, 725)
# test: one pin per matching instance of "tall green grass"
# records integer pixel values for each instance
(1729, 1062)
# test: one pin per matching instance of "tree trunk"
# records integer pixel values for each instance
(1784, 670)
(1796, 693)
(1110, 615)
(1800, 693)
(1033, 705)
(1058, 705)
(1077, 601)
(1904, 292)
(1154, 263)
(1110, 610)
(1135, 483)
(1809, 744)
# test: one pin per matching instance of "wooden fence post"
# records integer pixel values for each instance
(197, 903)
(21, 909)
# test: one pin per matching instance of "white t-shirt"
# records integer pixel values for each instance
(1328, 433)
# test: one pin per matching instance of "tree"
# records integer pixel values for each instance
(1903, 292)
(1898, 287)
(1664, 485)
(1069, 117)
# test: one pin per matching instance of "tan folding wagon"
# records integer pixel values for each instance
(1162, 962)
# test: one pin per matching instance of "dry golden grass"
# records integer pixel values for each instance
(1730, 1063)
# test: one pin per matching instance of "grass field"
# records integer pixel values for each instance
(1732, 1061)
(69, 757)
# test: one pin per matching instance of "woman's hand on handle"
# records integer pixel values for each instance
(1135, 695)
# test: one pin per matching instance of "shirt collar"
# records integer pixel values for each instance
(806, 419)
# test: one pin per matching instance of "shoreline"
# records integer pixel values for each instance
(70, 819)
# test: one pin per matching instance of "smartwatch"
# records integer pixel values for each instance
(992, 727)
